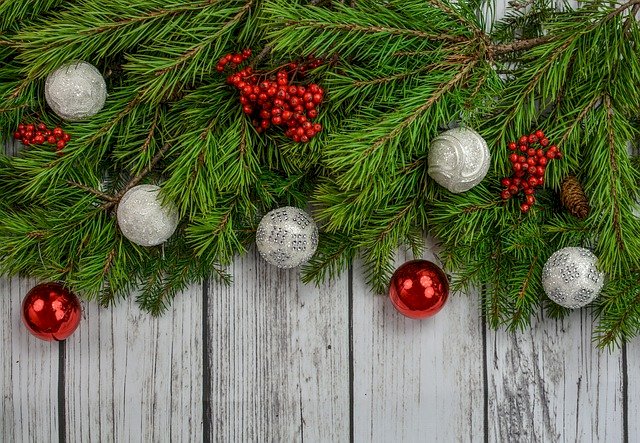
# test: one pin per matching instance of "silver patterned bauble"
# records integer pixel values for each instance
(287, 237)
(459, 159)
(75, 91)
(142, 217)
(571, 277)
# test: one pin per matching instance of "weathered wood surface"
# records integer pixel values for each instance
(134, 377)
(278, 357)
(416, 380)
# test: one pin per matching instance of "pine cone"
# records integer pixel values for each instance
(573, 197)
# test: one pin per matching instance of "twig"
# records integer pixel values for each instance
(518, 45)
(262, 55)
(631, 18)
(102, 195)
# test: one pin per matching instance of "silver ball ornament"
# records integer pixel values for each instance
(142, 217)
(287, 237)
(458, 159)
(571, 277)
(75, 91)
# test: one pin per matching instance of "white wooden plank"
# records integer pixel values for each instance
(135, 377)
(29, 373)
(279, 357)
(416, 380)
(633, 389)
(550, 383)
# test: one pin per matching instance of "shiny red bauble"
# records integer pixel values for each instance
(51, 312)
(419, 289)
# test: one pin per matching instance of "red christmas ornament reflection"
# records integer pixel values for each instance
(51, 312)
(418, 289)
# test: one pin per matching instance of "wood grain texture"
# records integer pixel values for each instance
(278, 357)
(632, 372)
(550, 383)
(29, 373)
(133, 377)
(416, 380)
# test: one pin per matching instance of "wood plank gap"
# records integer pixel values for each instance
(485, 370)
(206, 364)
(625, 395)
(62, 411)
(351, 357)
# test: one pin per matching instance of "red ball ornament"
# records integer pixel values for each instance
(51, 312)
(418, 289)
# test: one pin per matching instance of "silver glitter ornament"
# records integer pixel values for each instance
(142, 217)
(287, 237)
(571, 277)
(75, 91)
(458, 159)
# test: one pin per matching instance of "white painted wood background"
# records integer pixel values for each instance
(271, 359)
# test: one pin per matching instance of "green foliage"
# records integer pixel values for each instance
(398, 72)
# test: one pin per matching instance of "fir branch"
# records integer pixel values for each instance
(614, 170)
(138, 178)
(185, 57)
(441, 91)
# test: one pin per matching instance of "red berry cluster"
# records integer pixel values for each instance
(30, 134)
(529, 166)
(276, 101)
(233, 59)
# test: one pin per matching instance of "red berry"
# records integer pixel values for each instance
(286, 115)
(513, 189)
(61, 144)
(524, 140)
(308, 97)
(52, 140)
(530, 199)
(512, 146)
(312, 113)
(17, 135)
(539, 134)
(524, 166)
(42, 127)
(523, 148)
(38, 139)
(531, 152)
(219, 68)
(553, 148)
(517, 167)
(540, 171)
(551, 154)
(544, 141)
(28, 134)
(304, 139)
(540, 153)
(31, 128)
(246, 52)
(505, 182)
(516, 181)
(276, 120)
(531, 161)
(506, 195)
(513, 158)
(58, 132)
(533, 138)
(532, 181)
(21, 127)
(542, 161)
(525, 207)
(247, 109)
(317, 97)
(529, 191)
(317, 127)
